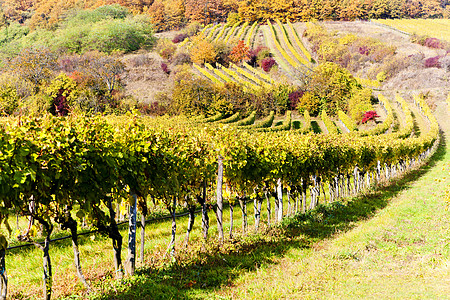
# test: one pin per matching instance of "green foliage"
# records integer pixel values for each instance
(281, 96)
(359, 103)
(12, 91)
(330, 88)
(109, 35)
(78, 17)
(107, 29)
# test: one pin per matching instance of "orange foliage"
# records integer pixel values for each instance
(240, 52)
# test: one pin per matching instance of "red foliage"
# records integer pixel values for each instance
(434, 43)
(267, 63)
(433, 62)
(179, 38)
(165, 68)
(369, 115)
(294, 98)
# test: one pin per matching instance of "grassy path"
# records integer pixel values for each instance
(402, 252)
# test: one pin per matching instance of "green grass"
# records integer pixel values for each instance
(399, 253)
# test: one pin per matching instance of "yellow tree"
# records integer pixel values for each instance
(202, 51)
(174, 14)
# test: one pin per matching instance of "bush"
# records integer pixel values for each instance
(239, 53)
(267, 64)
(359, 102)
(294, 98)
(109, 35)
(432, 62)
(233, 18)
(139, 60)
(369, 115)
(181, 58)
(62, 92)
(257, 54)
(309, 102)
(202, 51)
(165, 48)
(434, 43)
(179, 38)
(165, 68)
(12, 91)
(193, 28)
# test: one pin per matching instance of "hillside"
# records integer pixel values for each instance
(314, 155)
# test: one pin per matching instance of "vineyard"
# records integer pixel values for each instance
(438, 28)
(211, 187)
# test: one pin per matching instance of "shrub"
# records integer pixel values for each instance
(294, 98)
(434, 43)
(223, 51)
(309, 102)
(281, 96)
(369, 115)
(181, 58)
(110, 35)
(62, 92)
(257, 54)
(202, 51)
(267, 64)
(165, 68)
(165, 48)
(139, 60)
(359, 102)
(232, 18)
(263, 53)
(193, 28)
(433, 62)
(179, 38)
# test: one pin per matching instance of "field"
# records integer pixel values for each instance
(438, 28)
(265, 144)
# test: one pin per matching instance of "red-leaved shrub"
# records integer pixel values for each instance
(434, 43)
(179, 38)
(433, 62)
(369, 115)
(294, 98)
(165, 68)
(267, 63)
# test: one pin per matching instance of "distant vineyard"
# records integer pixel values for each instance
(438, 28)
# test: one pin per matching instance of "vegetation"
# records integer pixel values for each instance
(76, 155)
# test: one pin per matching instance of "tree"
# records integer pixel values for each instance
(202, 51)
(35, 64)
(239, 53)
(106, 69)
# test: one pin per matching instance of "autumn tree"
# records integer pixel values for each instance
(157, 15)
(36, 65)
(202, 51)
(239, 52)
(18, 10)
(106, 69)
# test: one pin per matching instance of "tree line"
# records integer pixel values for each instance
(174, 14)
